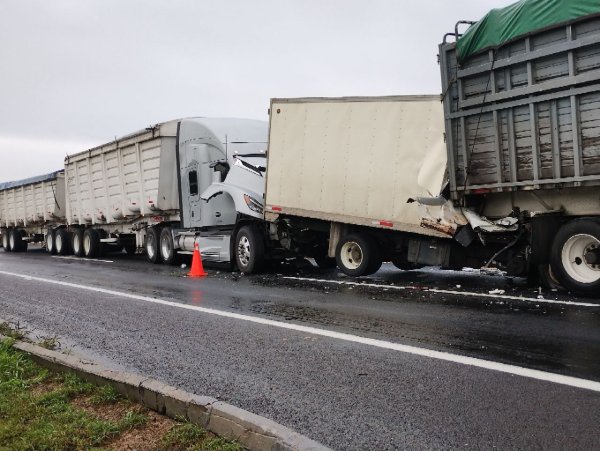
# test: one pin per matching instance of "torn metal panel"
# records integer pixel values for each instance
(482, 224)
(440, 214)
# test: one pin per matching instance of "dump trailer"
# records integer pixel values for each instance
(28, 208)
(165, 189)
(521, 93)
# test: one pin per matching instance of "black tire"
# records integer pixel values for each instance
(358, 255)
(91, 243)
(50, 248)
(168, 254)
(575, 257)
(24, 244)
(77, 242)
(152, 245)
(130, 248)
(325, 262)
(6, 241)
(249, 249)
(401, 262)
(62, 242)
(15, 240)
(543, 276)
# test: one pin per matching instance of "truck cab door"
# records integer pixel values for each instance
(196, 175)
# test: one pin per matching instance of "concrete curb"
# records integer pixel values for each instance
(251, 431)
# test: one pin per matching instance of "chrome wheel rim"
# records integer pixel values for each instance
(244, 251)
(76, 243)
(165, 247)
(11, 240)
(351, 255)
(49, 242)
(573, 258)
(87, 244)
(150, 246)
(58, 242)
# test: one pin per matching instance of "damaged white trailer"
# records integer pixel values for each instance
(340, 173)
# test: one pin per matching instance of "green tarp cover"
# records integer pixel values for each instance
(527, 16)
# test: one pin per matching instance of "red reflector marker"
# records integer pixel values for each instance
(276, 208)
(386, 223)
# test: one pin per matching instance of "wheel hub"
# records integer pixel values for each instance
(592, 256)
(244, 250)
(150, 248)
(86, 244)
(351, 255)
(580, 258)
(166, 248)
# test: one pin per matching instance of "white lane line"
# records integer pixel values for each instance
(83, 259)
(436, 290)
(470, 361)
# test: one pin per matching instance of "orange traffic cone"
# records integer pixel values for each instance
(197, 269)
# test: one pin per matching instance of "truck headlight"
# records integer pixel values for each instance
(253, 204)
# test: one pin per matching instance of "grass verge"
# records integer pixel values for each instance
(44, 410)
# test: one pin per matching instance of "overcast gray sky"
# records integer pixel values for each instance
(78, 73)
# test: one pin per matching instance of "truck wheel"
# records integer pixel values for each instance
(575, 257)
(401, 262)
(152, 240)
(358, 255)
(325, 262)
(167, 248)
(50, 241)
(77, 242)
(15, 240)
(543, 276)
(6, 241)
(130, 249)
(249, 249)
(24, 244)
(61, 241)
(91, 243)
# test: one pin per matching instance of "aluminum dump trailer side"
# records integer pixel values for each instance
(126, 179)
(526, 117)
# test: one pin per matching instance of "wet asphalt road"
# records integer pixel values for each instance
(346, 395)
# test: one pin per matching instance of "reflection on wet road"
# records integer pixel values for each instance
(465, 314)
